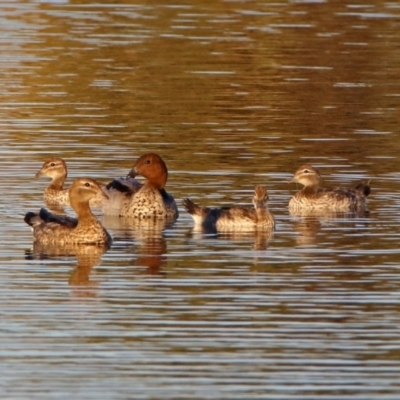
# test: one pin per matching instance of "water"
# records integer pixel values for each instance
(231, 94)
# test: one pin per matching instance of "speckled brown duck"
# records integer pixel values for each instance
(313, 198)
(52, 229)
(235, 217)
(55, 193)
(128, 198)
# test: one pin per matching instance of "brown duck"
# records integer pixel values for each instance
(236, 217)
(129, 198)
(55, 194)
(313, 198)
(54, 229)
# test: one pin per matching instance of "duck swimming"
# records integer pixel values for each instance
(235, 217)
(52, 229)
(130, 198)
(314, 198)
(55, 193)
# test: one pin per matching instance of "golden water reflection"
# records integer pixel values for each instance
(145, 241)
(231, 94)
(87, 257)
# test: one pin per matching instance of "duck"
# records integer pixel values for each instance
(55, 193)
(312, 198)
(149, 200)
(52, 229)
(236, 217)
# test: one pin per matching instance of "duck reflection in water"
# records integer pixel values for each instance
(308, 226)
(88, 256)
(236, 221)
(307, 229)
(143, 238)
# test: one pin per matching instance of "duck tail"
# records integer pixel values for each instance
(32, 219)
(190, 207)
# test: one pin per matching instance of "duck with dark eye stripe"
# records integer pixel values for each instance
(51, 229)
(312, 198)
(55, 193)
(128, 198)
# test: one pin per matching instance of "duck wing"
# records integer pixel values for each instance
(124, 185)
(238, 215)
(64, 220)
(45, 216)
(119, 191)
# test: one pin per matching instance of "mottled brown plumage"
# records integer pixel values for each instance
(233, 217)
(55, 193)
(312, 198)
(54, 229)
(127, 198)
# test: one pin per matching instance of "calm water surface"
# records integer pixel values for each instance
(231, 94)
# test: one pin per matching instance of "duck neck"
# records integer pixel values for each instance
(259, 204)
(260, 208)
(83, 211)
(310, 190)
(261, 213)
(159, 182)
(58, 182)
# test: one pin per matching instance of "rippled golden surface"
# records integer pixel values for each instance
(231, 94)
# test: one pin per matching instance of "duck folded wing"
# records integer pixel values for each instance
(64, 220)
(46, 217)
(124, 185)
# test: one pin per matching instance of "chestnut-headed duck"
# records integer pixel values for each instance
(236, 217)
(130, 198)
(55, 194)
(52, 229)
(312, 198)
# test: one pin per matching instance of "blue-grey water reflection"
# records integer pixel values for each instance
(231, 94)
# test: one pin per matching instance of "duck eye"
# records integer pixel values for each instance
(52, 164)
(87, 184)
(306, 171)
(147, 162)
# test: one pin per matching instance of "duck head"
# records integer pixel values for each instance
(83, 190)
(152, 167)
(54, 168)
(306, 175)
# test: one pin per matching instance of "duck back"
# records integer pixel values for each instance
(336, 200)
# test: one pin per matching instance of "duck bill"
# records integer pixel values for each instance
(38, 174)
(132, 173)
